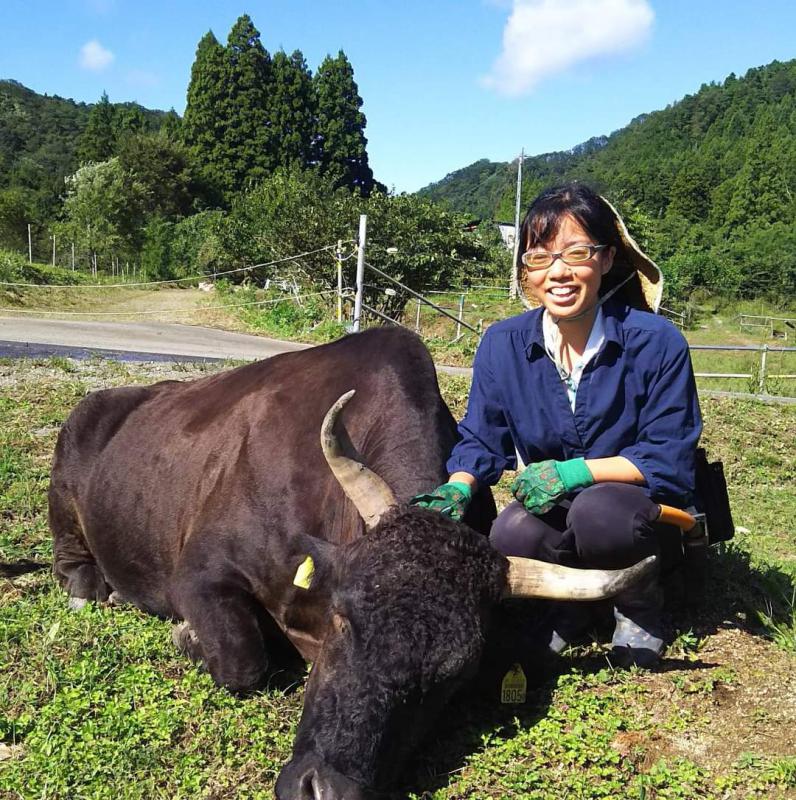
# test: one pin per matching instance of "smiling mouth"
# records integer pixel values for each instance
(562, 292)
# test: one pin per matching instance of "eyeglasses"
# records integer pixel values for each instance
(574, 255)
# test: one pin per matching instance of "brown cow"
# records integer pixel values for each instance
(212, 501)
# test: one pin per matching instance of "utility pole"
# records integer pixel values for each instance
(73, 256)
(339, 254)
(363, 229)
(53, 249)
(30, 247)
(513, 287)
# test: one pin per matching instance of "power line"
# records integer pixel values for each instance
(172, 280)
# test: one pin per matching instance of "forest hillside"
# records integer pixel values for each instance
(708, 183)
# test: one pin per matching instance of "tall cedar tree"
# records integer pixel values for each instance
(248, 153)
(202, 127)
(340, 139)
(162, 170)
(292, 107)
(98, 141)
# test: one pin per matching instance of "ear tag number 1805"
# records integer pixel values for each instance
(514, 686)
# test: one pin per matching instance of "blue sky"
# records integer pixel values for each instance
(444, 83)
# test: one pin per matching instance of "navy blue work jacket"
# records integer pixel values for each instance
(637, 398)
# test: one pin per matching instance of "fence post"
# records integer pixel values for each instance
(461, 314)
(762, 376)
(30, 246)
(363, 229)
(417, 317)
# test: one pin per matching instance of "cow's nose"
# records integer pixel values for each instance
(318, 783)
(329, 785)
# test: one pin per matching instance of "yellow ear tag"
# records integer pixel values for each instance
(305, 573)
(514, 686)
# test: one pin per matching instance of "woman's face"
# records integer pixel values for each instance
(569, 291)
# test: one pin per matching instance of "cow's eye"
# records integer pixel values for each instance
(341, 624)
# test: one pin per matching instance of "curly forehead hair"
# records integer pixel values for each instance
(545, 213)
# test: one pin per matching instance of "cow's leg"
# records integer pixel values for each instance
(222, 621)
(73, 564)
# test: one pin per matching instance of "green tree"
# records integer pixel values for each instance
(292, 110)
(761, 191)
(175, 249)
(248, 153)
(17, 209)
(98, 140)
(162, 172)
(411, 239)
(102, 211)
(202, 126)
(172, 126)
(129, 120)
(690, 191)
(420, 244)
(341, 146)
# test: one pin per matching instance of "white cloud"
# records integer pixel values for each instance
(94, 56)
(543, 37)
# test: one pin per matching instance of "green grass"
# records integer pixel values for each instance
(715, 322)
(280, 316)
(98, 704)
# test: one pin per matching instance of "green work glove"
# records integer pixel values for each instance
(541, 485)
(450, 499)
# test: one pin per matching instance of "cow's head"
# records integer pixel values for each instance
(408, 623)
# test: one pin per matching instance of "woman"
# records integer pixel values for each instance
(596, 394)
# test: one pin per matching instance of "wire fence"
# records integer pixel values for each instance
(187, 279)
(270, 301)
(419, 313)
(776, 327)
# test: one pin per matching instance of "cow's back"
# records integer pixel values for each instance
(238, 453)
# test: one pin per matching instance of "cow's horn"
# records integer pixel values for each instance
(371, 496)
(530, 578)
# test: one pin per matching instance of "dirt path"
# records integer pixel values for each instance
(182, 303)
(75, 302)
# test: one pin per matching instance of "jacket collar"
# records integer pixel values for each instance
(614, 314)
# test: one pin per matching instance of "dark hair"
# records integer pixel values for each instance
(595, 216)
(544, 216)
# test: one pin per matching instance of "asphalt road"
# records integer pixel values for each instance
(132, 340)
(139, 341)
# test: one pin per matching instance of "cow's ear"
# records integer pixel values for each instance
(312, 564)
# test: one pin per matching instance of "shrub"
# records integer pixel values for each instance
(14, 268)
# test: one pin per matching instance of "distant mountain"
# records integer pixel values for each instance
(707, 185)
(39, 135)
(686, 156)
(482, 188)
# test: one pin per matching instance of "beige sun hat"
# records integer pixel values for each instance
(634, 276)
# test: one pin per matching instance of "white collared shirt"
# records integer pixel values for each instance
(552, 343)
